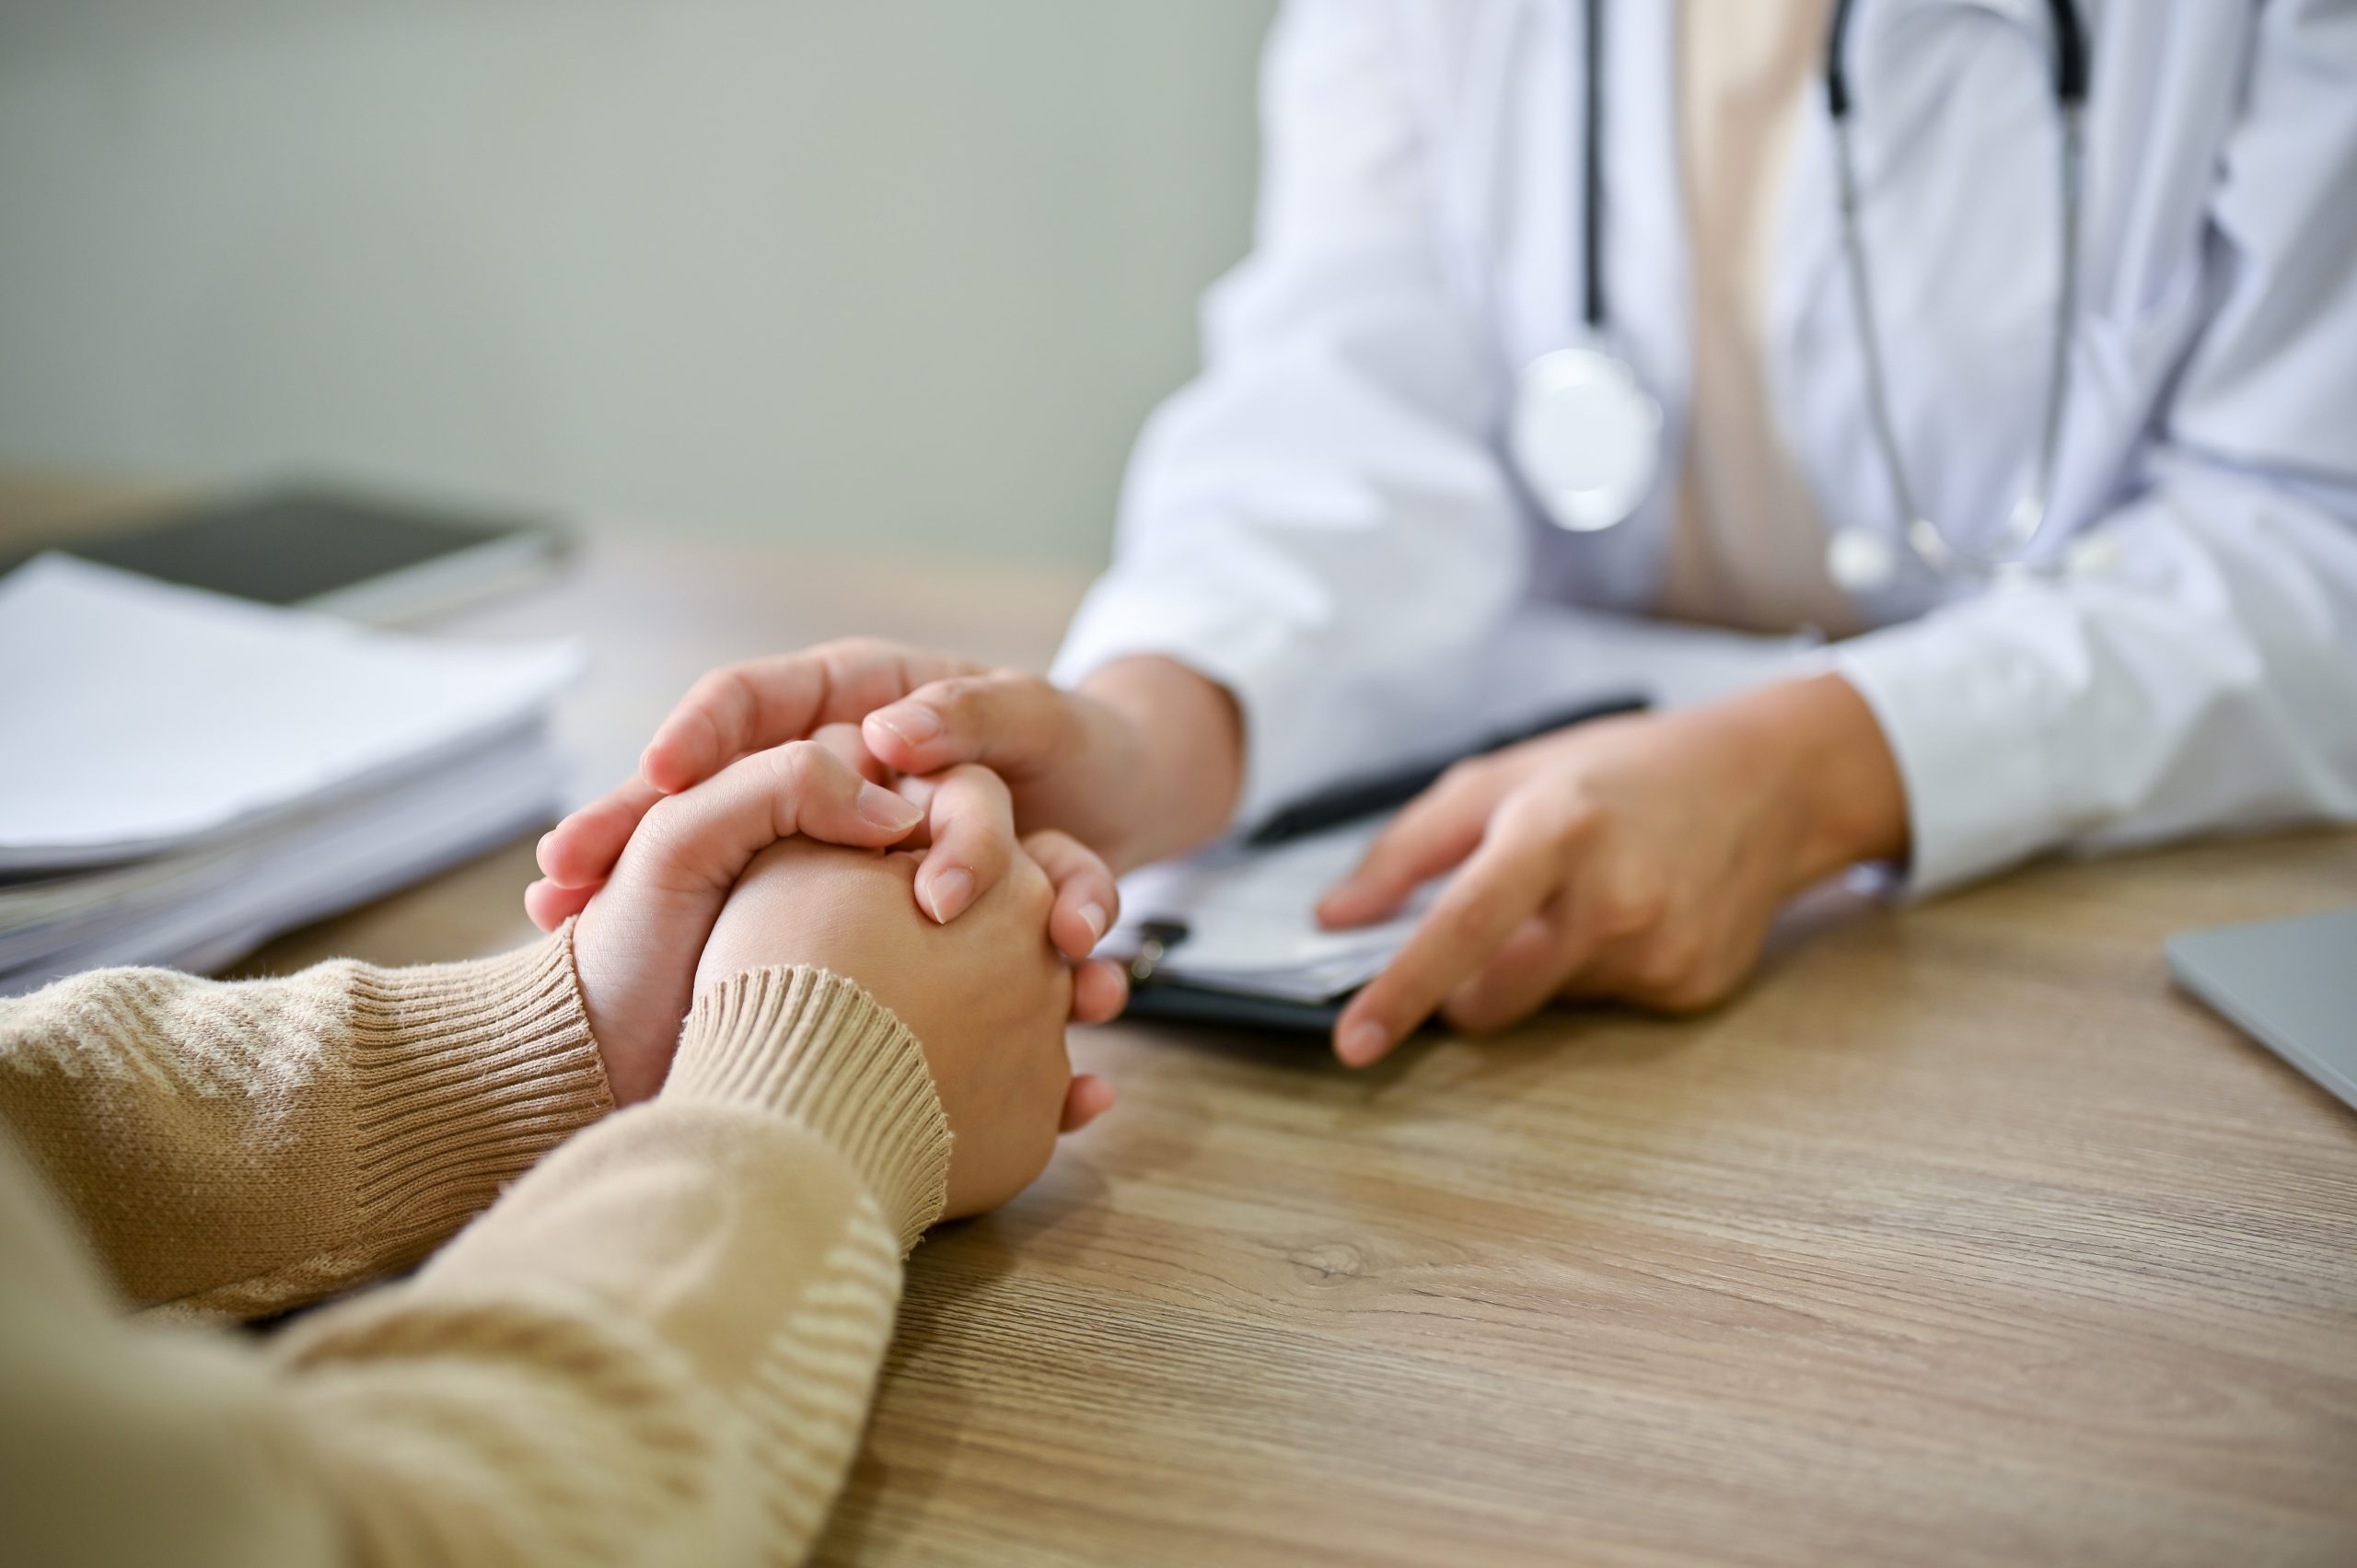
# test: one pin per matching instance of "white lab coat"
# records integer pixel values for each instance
(1325, 521)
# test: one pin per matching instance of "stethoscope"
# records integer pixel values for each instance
(1587, 434)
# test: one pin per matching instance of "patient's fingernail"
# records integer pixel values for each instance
(884, 808)
(1363, 1042)
(913, 722)
(951, 893)
(1093, 916)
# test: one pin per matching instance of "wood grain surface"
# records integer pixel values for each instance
(1958, 1237)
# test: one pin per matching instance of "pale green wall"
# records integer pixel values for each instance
(909, 271)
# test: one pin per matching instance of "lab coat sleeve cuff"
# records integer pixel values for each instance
(1966, 725)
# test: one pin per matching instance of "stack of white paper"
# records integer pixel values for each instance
(183, 776)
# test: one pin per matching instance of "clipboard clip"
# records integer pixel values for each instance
(1154, 996)
(1156, 938)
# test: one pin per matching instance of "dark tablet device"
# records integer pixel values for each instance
(368, 557)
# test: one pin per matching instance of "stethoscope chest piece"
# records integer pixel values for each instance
(1861, 561)
(1587, 436)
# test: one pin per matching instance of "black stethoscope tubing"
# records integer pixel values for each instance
(2070, 90)
(2070, 76)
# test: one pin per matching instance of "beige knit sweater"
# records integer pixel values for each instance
(657, 1346)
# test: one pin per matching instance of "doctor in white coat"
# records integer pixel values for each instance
(2085, 598)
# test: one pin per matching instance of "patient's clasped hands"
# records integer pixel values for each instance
(813, 853)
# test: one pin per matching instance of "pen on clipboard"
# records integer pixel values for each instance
(1356, 798)
(1156, 938)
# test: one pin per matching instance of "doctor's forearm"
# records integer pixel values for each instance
(1189, 738)
(1851, 803)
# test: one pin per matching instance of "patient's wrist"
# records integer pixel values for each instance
(815, 1046)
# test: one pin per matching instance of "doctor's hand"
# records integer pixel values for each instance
(1144, 760)
(1638, 859)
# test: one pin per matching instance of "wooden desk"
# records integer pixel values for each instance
(1959, 1237)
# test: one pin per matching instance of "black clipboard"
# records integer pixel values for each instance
(1176, 1001)
(1154, 995)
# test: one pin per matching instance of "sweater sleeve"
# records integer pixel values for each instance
(658, 1346)
(236, 1149)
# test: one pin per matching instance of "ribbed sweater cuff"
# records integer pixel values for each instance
(465, 1075)
(816, 1047)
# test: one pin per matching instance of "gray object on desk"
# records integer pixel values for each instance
(2292, 983)
(332, 549)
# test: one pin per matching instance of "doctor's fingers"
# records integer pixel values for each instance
(1433, 832)
(843, 740)
(1522, 976)
(1595, 909)
(704, 838)
(1509, 878)
(1672, 967)
(1010, 720)
(578, 854)
(971, 820)
(745, 707)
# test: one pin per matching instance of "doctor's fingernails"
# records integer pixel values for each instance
(1349, 895)
(885, 809)
(1092, 916)
(949, 893)
(913, 724)
(1363, 1042)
